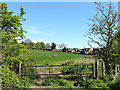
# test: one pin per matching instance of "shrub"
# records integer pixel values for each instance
(77, 68)
(114, 84)
(64, 49)
(97, 84)
(10, 79)
(57, 82)
(31, 70)
(91, 83)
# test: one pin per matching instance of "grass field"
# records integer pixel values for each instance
(52, 57)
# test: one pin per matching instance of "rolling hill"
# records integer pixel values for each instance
(52, 57)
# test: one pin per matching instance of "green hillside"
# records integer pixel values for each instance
(52, 57)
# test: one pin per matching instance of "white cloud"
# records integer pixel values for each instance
(35, 41)
(33, 30)
(37, 30)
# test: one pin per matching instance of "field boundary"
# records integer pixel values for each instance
(49, 67)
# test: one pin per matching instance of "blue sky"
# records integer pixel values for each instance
(59, 22)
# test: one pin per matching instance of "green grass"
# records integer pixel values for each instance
(58, 82)
(52, 57)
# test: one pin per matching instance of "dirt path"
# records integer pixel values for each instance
(36, 87)
(45, 71)
(44, 77)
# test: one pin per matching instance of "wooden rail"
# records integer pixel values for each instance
(58, 65)
(54, 74)
(50, 66)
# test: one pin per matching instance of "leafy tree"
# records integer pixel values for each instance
(53, 46)
(76, 49)
(28, 43)
(42, 45)
(11, 80)
(64, 49)
(104, 27)
(12, 51)
(23, 42)
(32, 45)
(11, 28)
(116, 49)
(38, 45)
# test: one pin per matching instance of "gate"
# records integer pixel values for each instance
(60, 70)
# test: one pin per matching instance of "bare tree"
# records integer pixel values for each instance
(62, 45)
(28, 40)
(47, 46)
(103, 29)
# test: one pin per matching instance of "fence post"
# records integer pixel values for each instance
(92, 70)
(96, 69)
(78, 71)
(103, 69)
(19, 68)
(49, 71)
(116, 69)
(36, 74)
(63, 72)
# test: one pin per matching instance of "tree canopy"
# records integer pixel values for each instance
(13, 52)
(53, 45)
(104, 27)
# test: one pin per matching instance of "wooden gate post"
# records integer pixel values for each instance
(63, 71)
(19, 68)
(103, 69)
(96, 69)
(92, 70)
(49, 72)
(116, 70)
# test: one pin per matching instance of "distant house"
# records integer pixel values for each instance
(77, 52)
(58, 50)
(88, 50)
(70, 50)
(82, 51)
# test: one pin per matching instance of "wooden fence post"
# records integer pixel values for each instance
(103, 69)
(63, 71)
(96, 69)
(36, 74)
(19, 68)
(92, 70)
(116, 70)
(49, 72)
